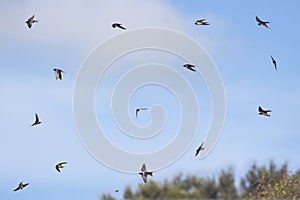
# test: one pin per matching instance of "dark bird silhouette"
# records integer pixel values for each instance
(274, 63)
(264, 112)
(201, 147)
(117, 25)
(30, 21)
(262, 23)
(37, 120)
(21, 186)
(138, 110)
(190, 67)
(117, 190)
(201, 22)
(58, 73)
(144, 173)
(60, 166)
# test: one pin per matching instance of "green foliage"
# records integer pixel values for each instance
(258, 183)
(226, 186)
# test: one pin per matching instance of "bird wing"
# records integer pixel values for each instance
(120, 26)
(63, 163)
(202, 146)
(258, 20)
(143, 169)
(31, 18)
(17, 188)
(57, 167)
(36, 118)
(191, 68)
(29, 24)
(59, 75)
(24, 185)
(197, 151)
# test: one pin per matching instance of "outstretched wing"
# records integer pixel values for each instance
(36, 118)
(143, 169)
(258, 20)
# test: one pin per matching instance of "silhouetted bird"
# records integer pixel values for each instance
(264, 112)
(117, 190)
(37, 120)
(201, 22)
(30, 21)
(199, 149)
(262, 23)
(60, 166)
(117, 25)
(190, 67)
(21, 186)
(144, 173)
(274, 63)
(58, 73)
(138, 110)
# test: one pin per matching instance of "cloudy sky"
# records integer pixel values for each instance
(67, 32)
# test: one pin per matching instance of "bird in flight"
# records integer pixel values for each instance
(138, 110)
(60, 166)
(117, 190)
(190, 67)
(264, 112)
(117, 25)
(30, 21)
(201, 147)
(274, 63)
(21, 186)
(58, 73)
(144, 173)
(262, 23)
(201, 22)
(37, 120)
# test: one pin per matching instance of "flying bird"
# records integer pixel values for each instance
(144, 173)
(201, 22)
(201, 147)
(30, 21)
(117, 25)
(21, 186)
(60, 166)
(274, 63)
(264, 112)
(117, 190)
(190, 67)
(138, 110)
(262, 23)
(58, 73)
(37, 120)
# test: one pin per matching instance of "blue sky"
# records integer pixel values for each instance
(65, 35)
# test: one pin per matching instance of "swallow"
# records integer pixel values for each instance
(37, 120)
(190, 67)
(264, 112)
(58, 73)
(262, 23)
(144, 173)
(138, 110)
(117, 25)
(274, 63)
(60, 166)
(30, 21)
(199, 149)
(201, 22)
(21, 186)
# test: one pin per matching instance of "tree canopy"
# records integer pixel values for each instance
(262, 182)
